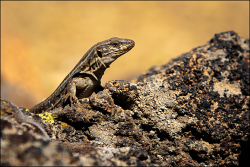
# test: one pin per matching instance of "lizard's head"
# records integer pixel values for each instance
(109, 50)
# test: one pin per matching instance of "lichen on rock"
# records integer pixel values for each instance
(192, 111)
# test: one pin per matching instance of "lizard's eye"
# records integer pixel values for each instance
(115, 44)
(99, 54)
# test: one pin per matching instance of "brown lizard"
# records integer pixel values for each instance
(85, 78)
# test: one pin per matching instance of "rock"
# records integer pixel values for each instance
(194, 111)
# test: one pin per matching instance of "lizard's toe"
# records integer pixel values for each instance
(71, 97)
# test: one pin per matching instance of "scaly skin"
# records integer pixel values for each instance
(85, 78)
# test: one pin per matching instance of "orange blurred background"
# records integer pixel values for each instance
(42, 41)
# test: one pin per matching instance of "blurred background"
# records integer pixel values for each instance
(41, 41)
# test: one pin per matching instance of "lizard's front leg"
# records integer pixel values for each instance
(85, 86)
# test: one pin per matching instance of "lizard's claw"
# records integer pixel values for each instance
(71, 97)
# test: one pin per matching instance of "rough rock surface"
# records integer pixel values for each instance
(192, 111)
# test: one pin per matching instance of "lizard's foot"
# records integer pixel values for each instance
(71, 97)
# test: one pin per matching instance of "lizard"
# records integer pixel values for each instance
(85, 77)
